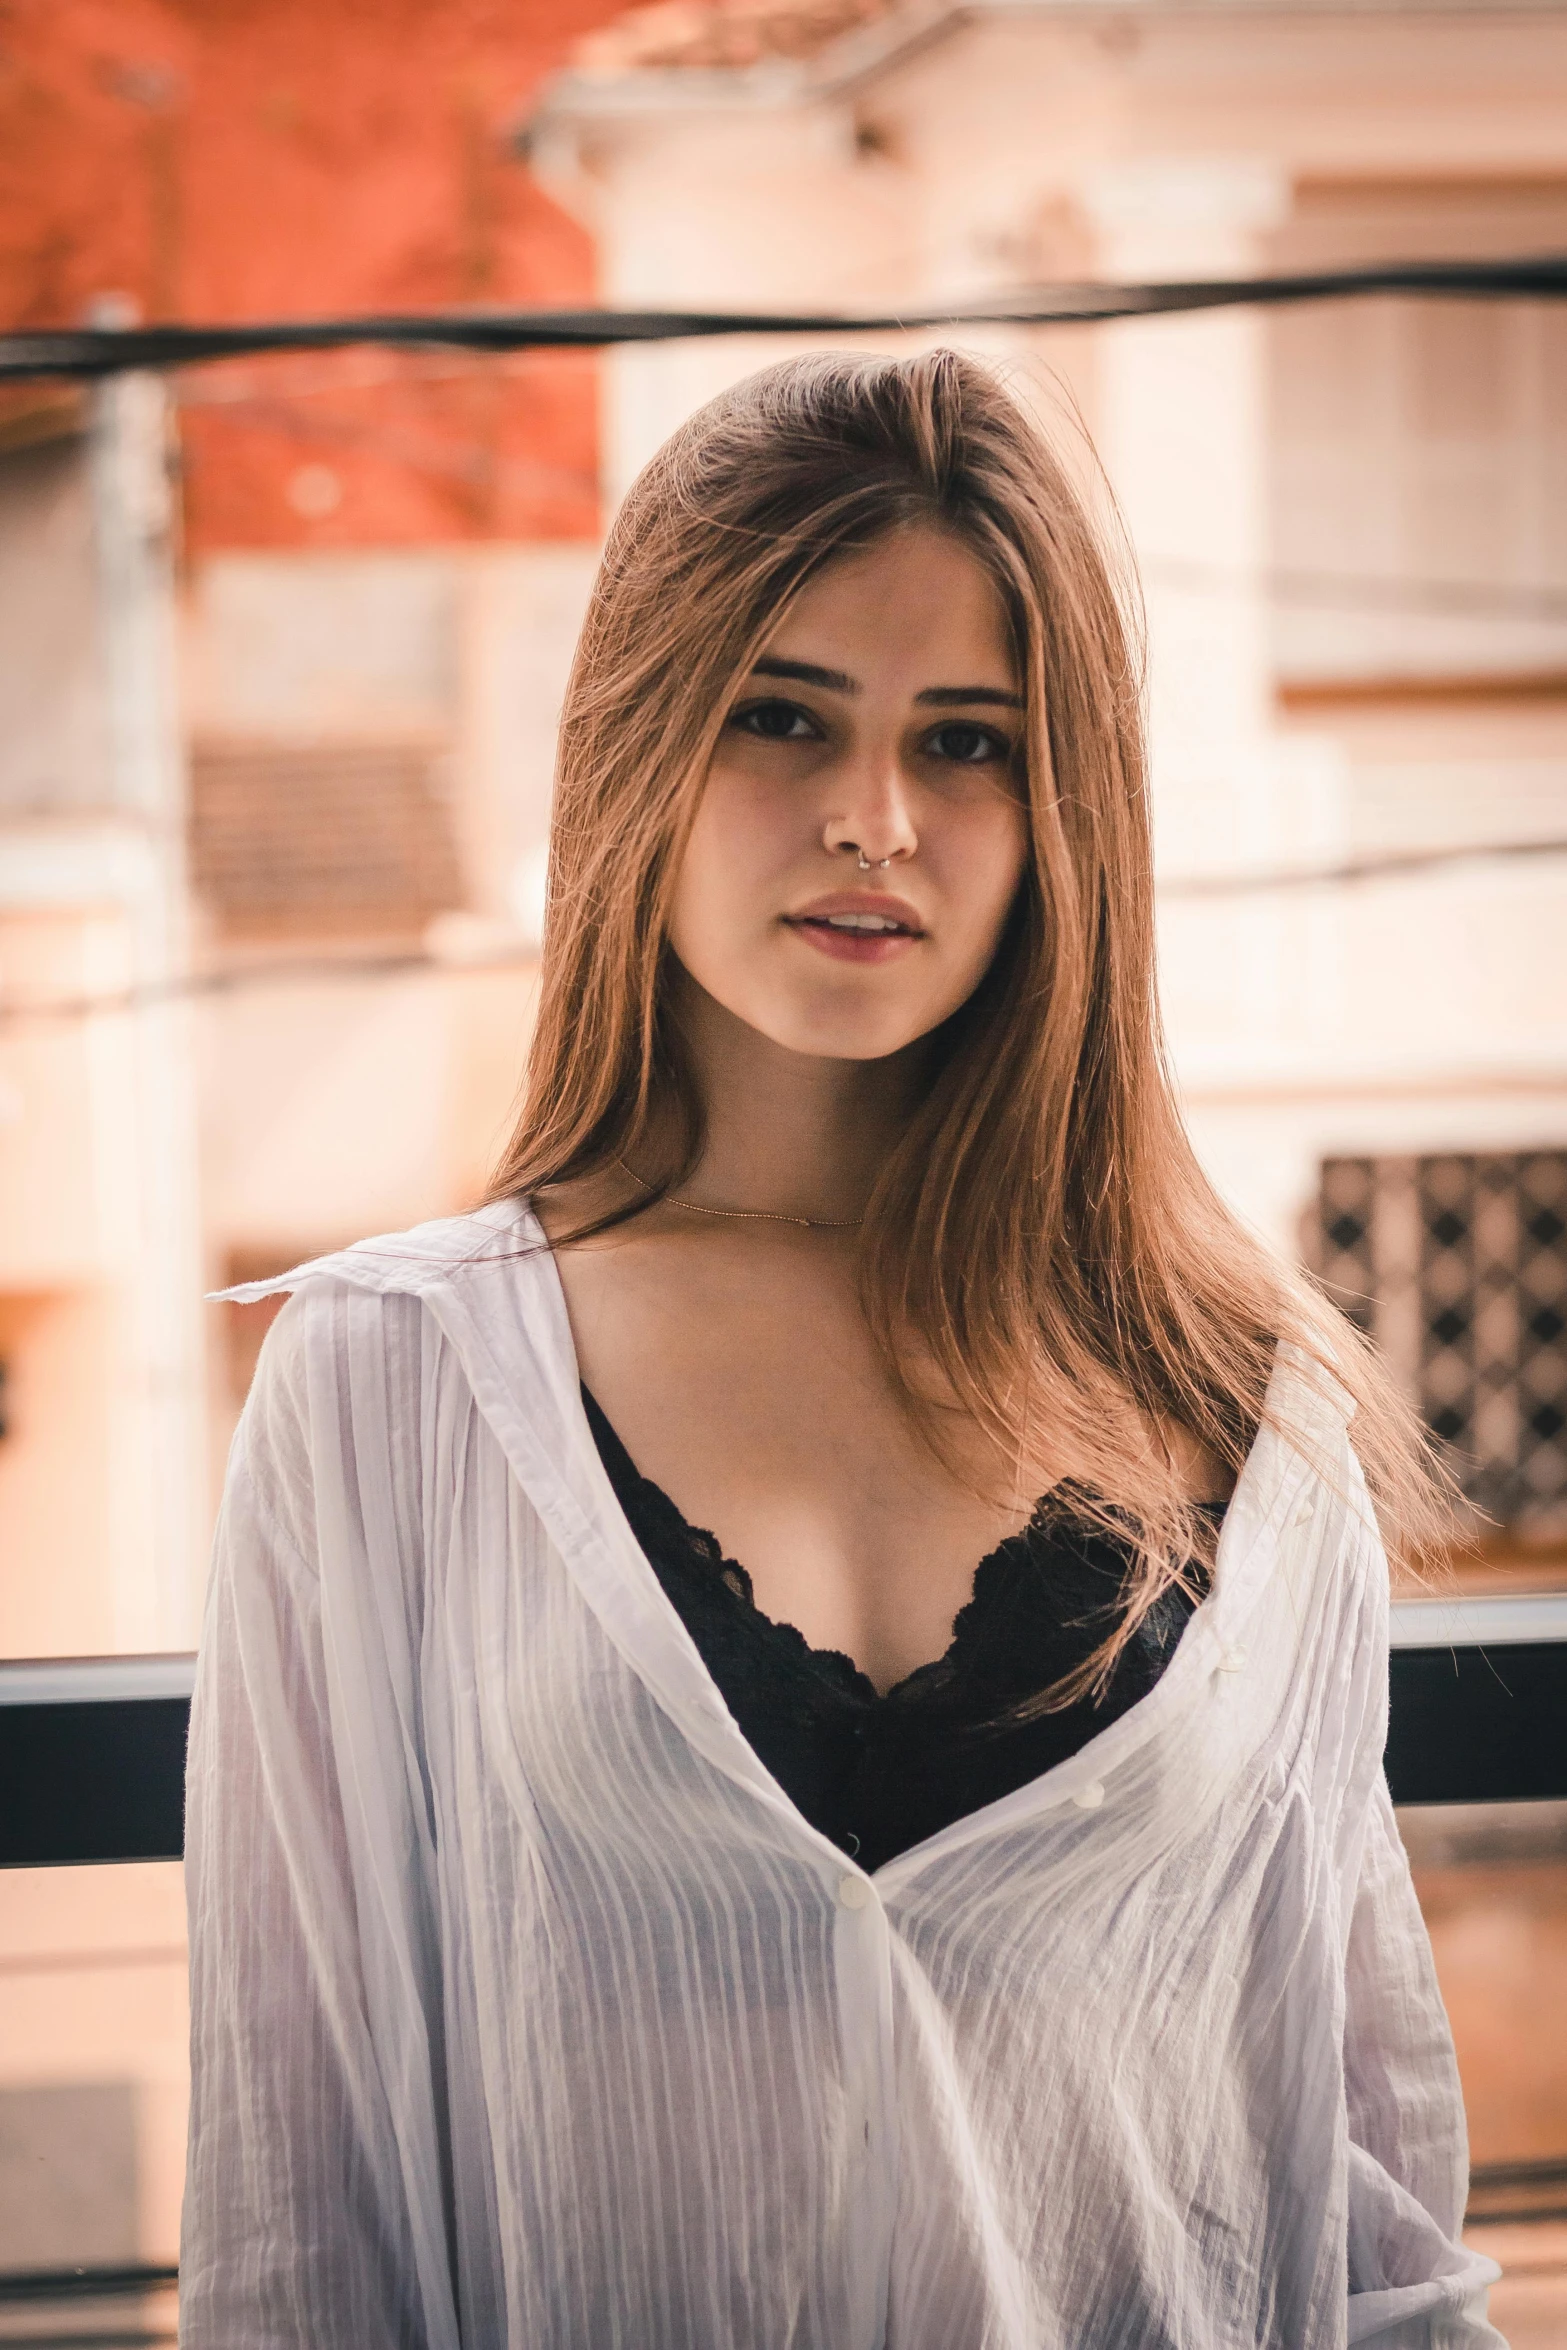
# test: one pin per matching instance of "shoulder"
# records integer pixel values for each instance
(403, 1264)
(343, 1357)
(343, 1308)
(347, 1367)
(333, 1406)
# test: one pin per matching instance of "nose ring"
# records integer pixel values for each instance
(865, 864)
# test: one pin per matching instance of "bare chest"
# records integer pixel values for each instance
(743, 1381)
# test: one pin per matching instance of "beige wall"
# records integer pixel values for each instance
(52, 1114)
(94, 2069)
(97, 1205)
(325, 1109)
(56, 1461)
(102, 1507)
(338, 1100)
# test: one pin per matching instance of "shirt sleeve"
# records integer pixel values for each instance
(1413, 2285)
(298, 2228)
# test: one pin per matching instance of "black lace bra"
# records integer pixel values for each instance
(879, 1773)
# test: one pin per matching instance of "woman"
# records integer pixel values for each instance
(607, 1932)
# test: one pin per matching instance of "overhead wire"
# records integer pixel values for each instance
(96, 352)
(92, 352)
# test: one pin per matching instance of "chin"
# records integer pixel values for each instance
(833, 1036)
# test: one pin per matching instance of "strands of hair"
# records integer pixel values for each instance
(1043, 1242)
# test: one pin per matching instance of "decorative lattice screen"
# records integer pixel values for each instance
(1457, 1265)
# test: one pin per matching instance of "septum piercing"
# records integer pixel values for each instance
(865, 863)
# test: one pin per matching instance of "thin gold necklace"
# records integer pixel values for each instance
(747, 1215)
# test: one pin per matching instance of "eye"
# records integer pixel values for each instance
(967, 744)
(776, 722)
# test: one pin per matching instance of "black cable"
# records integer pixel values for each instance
(90, 352)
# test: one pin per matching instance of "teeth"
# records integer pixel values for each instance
(860, 922)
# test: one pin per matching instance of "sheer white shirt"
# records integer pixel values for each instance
(529, 2011)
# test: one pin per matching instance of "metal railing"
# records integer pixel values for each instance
(92, 1759)
(1478, 1703)
(92, 1749)
(124, 2307)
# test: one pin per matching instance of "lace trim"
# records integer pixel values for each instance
(655, 1511)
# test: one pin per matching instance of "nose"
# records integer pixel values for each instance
(874, 823)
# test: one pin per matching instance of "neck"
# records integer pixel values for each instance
(786, 1133)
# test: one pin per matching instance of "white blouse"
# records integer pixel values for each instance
(529, 2011)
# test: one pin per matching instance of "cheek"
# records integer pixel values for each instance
(990, 858)
(696, 882)
(729, 854)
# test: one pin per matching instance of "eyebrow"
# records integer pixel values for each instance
(948, 696)
(838, 681)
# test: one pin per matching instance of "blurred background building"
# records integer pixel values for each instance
(282, 646)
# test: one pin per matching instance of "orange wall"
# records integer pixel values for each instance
(246, 159)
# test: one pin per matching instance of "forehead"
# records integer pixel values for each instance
(918, 596)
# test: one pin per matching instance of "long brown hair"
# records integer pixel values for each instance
(1043, 1226)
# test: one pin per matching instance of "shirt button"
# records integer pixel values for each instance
(1306, 1512)
(853, 1892)
(1232, 1660)
(1089, 1798)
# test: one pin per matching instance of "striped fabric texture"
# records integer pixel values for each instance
(528, 2011)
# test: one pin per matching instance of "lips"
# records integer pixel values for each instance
(858, 926)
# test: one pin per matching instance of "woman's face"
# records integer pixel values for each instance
(877, 729)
